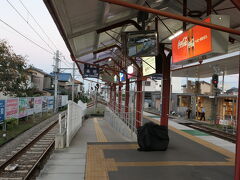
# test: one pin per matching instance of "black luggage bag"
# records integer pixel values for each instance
(152, 137)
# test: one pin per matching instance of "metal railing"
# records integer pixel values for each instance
(62, 121)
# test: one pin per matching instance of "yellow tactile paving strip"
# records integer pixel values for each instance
(99, 133)
(98, 166)
(96, 163)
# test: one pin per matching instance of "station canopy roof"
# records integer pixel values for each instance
(79, 20)
(227, 64)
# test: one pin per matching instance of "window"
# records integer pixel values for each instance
(147, 83)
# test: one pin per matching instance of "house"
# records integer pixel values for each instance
(78, 87)
(40, 80)
(152, 90)
(65, 84)
(197, 87)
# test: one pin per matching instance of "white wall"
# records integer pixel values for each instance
(154, 86)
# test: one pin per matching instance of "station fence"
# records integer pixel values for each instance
(75, 115)
(129, 116)
(20, 107)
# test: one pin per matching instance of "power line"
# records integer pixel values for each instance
(38, 24)
(26, 37)
(29, 25)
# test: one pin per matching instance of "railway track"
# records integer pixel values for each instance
(209, 130)
(22, 163)
(212, 131)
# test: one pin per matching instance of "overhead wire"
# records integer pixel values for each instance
(29, 24)
(38, 24)
(26, 37)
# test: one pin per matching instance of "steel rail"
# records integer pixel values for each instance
(44, 154)
(25, 148)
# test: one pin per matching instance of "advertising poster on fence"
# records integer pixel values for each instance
(64, 100)
(22, 105)
(50, 102)
(44, 103)
(37, 104)
(2, 111)
(12, 108)
(30, 106)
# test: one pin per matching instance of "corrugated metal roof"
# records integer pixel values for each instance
(79, 20)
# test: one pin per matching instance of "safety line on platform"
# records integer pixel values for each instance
(99, 133)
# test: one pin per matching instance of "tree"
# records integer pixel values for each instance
(13, 74)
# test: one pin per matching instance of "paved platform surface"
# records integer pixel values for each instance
(109, 156)
(69, 163)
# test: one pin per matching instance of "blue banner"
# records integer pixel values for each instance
(2, 111)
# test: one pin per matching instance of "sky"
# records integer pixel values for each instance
(39, 57)
(35, 55)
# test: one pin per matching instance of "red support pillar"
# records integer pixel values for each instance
(139, 102)
(166, 83)
(127, 98)
(237, 154)
(119, 98)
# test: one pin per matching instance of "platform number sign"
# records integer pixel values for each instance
(2, 111)
(90, 71)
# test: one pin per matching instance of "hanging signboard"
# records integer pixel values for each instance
(44, 104)
(50, 102)
(200, 42)
(122, 76)
(149, 65)
(30, 106)
(90, 71)
(140, 43)
(2, 111)
(22, 105)
(37, 104)
(12, 108)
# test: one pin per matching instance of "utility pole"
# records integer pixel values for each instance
(56, 71)
(73, 81)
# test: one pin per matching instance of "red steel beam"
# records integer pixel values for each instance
(236, 3)
(120, 24)
(237, 154)
(175, 16)
(110, 47)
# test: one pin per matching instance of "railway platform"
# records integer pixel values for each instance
(98, 152)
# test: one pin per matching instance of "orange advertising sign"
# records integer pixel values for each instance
(193, 42)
